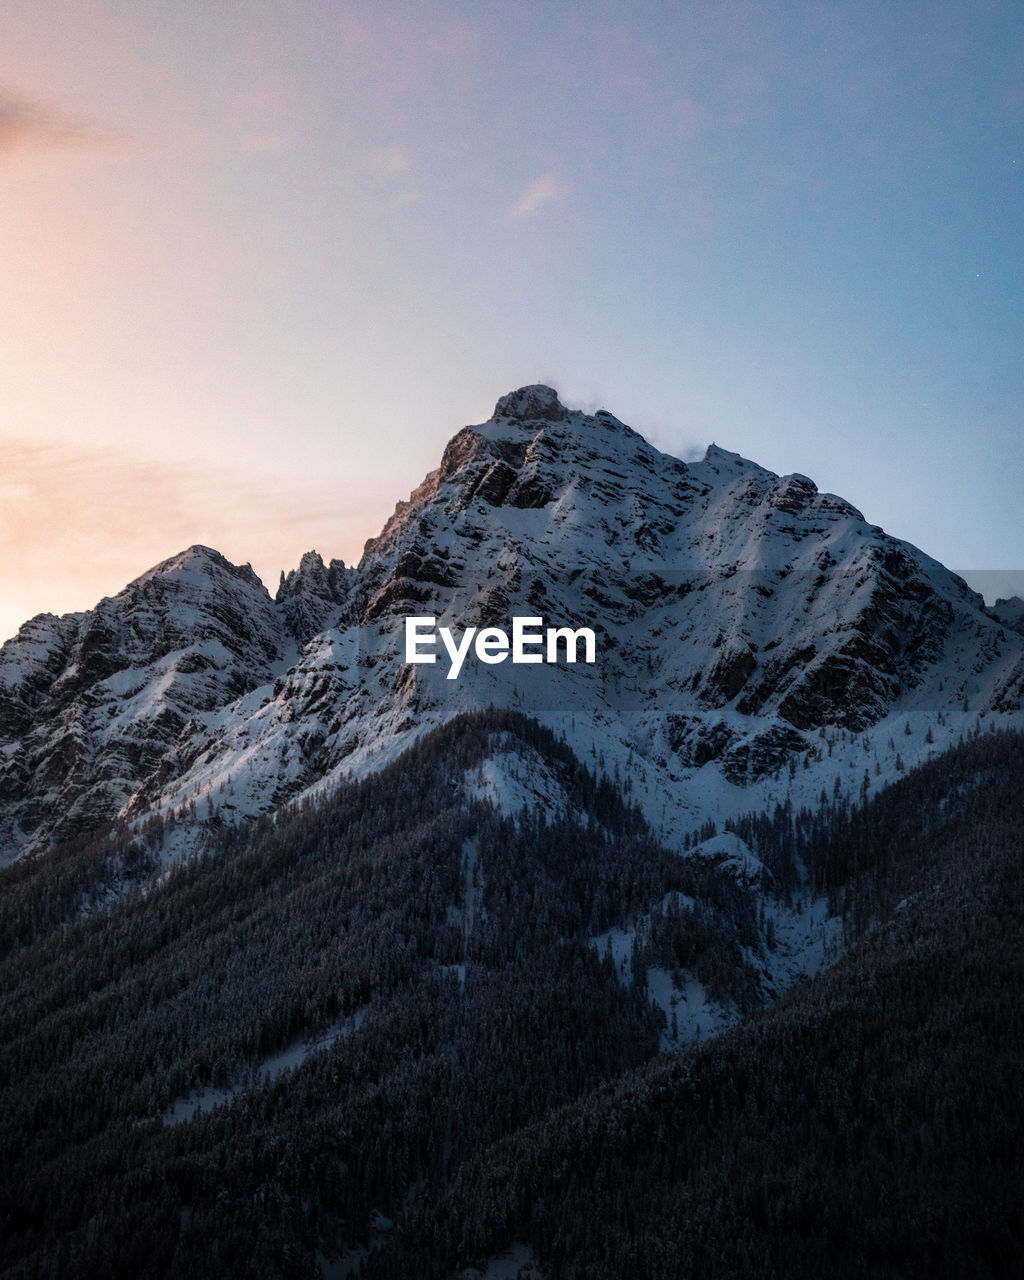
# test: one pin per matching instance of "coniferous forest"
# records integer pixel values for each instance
(375, 1035)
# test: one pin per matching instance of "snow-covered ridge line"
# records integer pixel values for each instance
(736, 614)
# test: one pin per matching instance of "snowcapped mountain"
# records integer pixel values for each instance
(737, 613)
(319, 1048)
(90, 703)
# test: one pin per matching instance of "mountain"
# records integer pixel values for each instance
(391, 1031)
(90, 703)
(737, 614)
(866, 1125)
(699, 958)
(363, 959)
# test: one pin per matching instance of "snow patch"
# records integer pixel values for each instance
(287, 1059)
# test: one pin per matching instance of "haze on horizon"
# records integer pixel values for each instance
(262, 261)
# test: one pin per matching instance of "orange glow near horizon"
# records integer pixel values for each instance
(79, 524)
(258, 263)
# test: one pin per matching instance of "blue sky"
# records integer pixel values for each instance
(261, 260)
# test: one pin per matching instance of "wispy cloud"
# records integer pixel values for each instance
(537, 195)
(28, 124)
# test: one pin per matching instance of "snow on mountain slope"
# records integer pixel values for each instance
(736, 612)
(1009, 613)
(91, 703)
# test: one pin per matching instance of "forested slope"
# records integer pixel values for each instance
(869, 1125)
(439, 952)
(390, 1006)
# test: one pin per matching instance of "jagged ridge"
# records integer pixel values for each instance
(738, 612)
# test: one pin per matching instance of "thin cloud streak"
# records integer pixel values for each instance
(27, 124)
(537, 196)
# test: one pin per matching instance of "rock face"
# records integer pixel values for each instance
(737, 613)
(536, 403)
(310, 597)
(91, 703)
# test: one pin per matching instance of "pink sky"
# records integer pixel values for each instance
(260, 262)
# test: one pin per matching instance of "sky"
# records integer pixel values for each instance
(259, 261)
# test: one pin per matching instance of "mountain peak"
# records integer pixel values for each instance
(533, 402)
(1009, 613)
(199, 562)
(310, 596)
